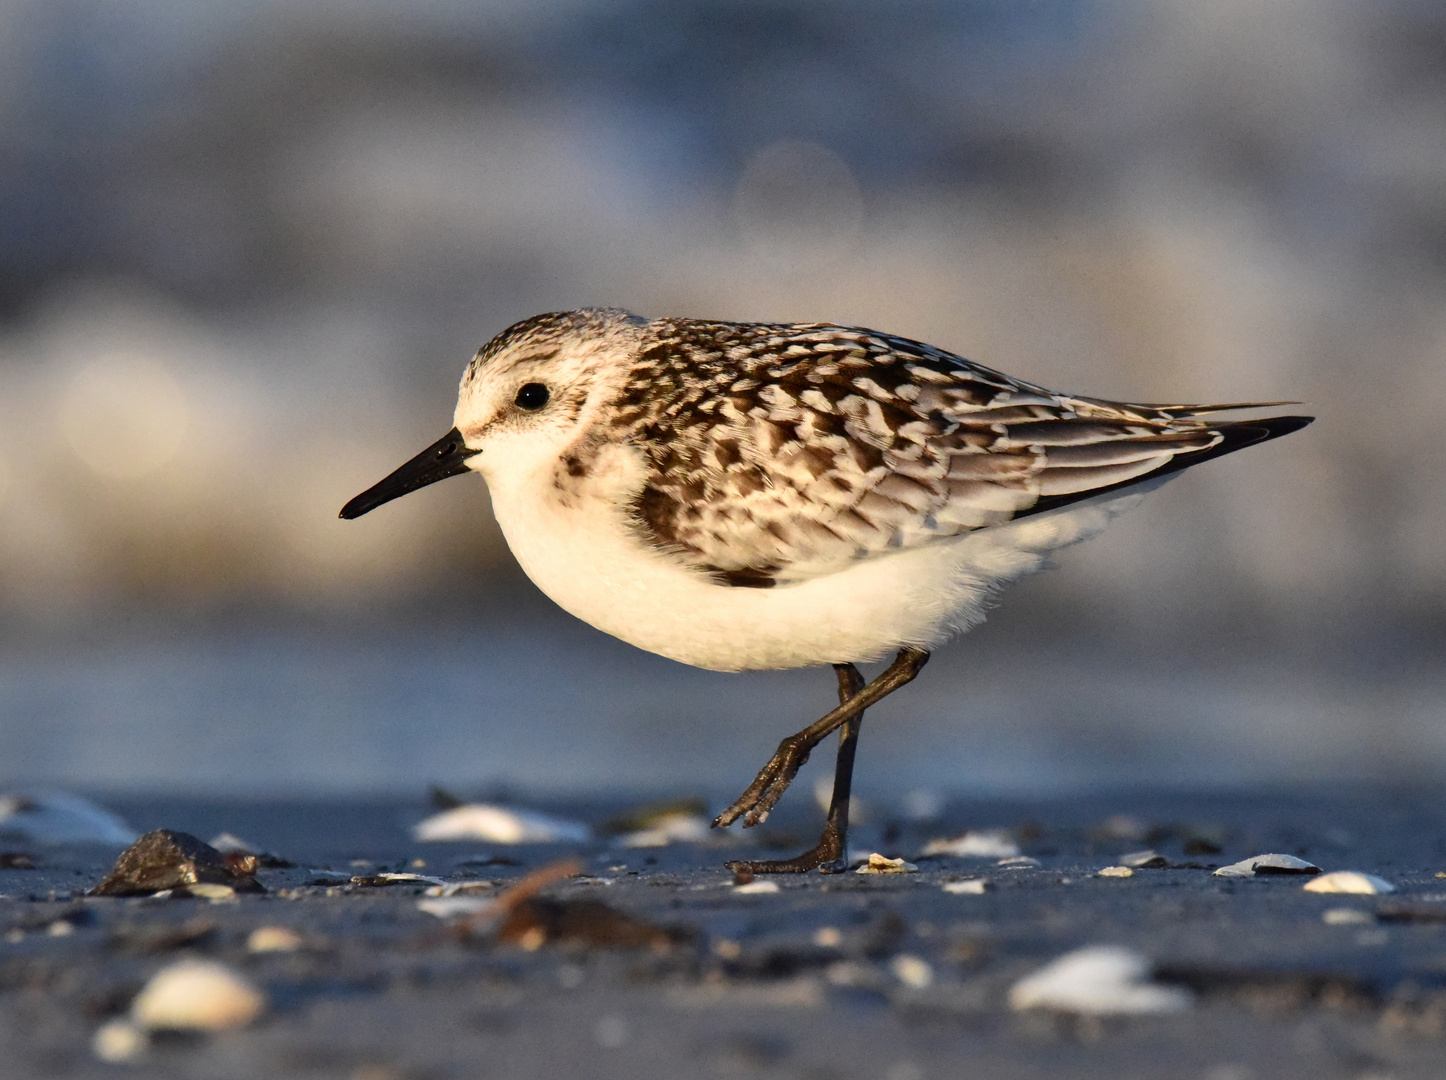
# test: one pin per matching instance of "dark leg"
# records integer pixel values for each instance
(773, 780)
(831, 852)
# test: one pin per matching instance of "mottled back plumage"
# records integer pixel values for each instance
(781, 452)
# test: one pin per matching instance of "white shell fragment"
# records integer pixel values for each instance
(1018, 862)
(118, 1040)
(57, 818)
(1346, 916)
(1115, 871)
(1267, 864)
(670, 829)
(968, 887)
(880, 864)
(452, 907)
(499, 825)
(975, 843)
(1102, 980)
(1144, 860)
(197, 995)
(265, 939)
(753, 887)
(913, 971)
(1349, 881)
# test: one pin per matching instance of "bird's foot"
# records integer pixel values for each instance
(827, 857)
(769, 785)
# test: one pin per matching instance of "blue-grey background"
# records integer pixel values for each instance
(246, 249)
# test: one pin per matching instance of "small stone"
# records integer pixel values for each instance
(1144, 860)
(499, 825)
(1263, 865)
(1349, 881)
(265, 939)
(1115, 871)
(912, 971)
(975, 843)
(753, 888)
(1102, 980)
(165, 859)
(118, 1040)
(197, 995)
(1346, 916)
(968, 887)
(881, 864)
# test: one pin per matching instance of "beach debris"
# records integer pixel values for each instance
(882, 864)
(676, 828)
(828, 937)
(495, 824)
(1115, 871)
(973, 843)
(271, 939)
(55, 817)
(1018, 862)
(913, 971)
(1346, 916)
(196, 995)
(968, 887)
(16, 860)
(118, 1040)
(1262, 865)
(455, 905)
(165, 859)
(1349, 881)
(1100, 980)
(753, 888)
(231, 844)
(1148, 859)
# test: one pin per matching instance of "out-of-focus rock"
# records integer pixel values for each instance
(1101, 980)
(678, 828)
(975, 843)
(1349, 881)
(270, 939)
(753, 888)
(499, 825)
(165, 859)
(1115, 871)
(58, 818)
(1263, 865)
(1346, 916)
(1144, 860)
(118, 1040)
(197, 995)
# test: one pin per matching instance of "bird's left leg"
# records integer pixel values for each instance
(773, 779)
(831, 851)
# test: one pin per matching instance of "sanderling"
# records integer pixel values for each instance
(744, 496)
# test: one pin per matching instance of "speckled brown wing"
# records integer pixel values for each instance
(780, 452)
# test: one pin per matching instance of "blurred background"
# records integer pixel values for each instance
(247, 248)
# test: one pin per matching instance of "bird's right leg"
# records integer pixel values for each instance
(773, 779)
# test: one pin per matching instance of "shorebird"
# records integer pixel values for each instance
(745, 496)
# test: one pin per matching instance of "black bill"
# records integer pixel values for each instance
(445, 457)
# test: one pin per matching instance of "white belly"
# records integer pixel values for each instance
(593, 565)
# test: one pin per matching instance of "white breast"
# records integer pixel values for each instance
(583, 554)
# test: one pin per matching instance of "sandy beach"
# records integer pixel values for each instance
(885, 975)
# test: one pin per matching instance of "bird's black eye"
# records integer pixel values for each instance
(532, 396)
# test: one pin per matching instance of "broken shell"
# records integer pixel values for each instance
(1018, 862)
(975, 843)
(55, 817)
(1101, 980)
(118, 1040)
(1261, 865)
(752, 887)
(1346, 916)
(912, 971)
(273, 939)
(1349, 881)
(499, 825)
(968, 887)
(1115, 871)
(880, 864)
(670, 829)
(1144, 860)
(197, 995)
(449, 907)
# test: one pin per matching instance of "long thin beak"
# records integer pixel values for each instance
(445, 457)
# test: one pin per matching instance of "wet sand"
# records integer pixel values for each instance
(884, 976)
